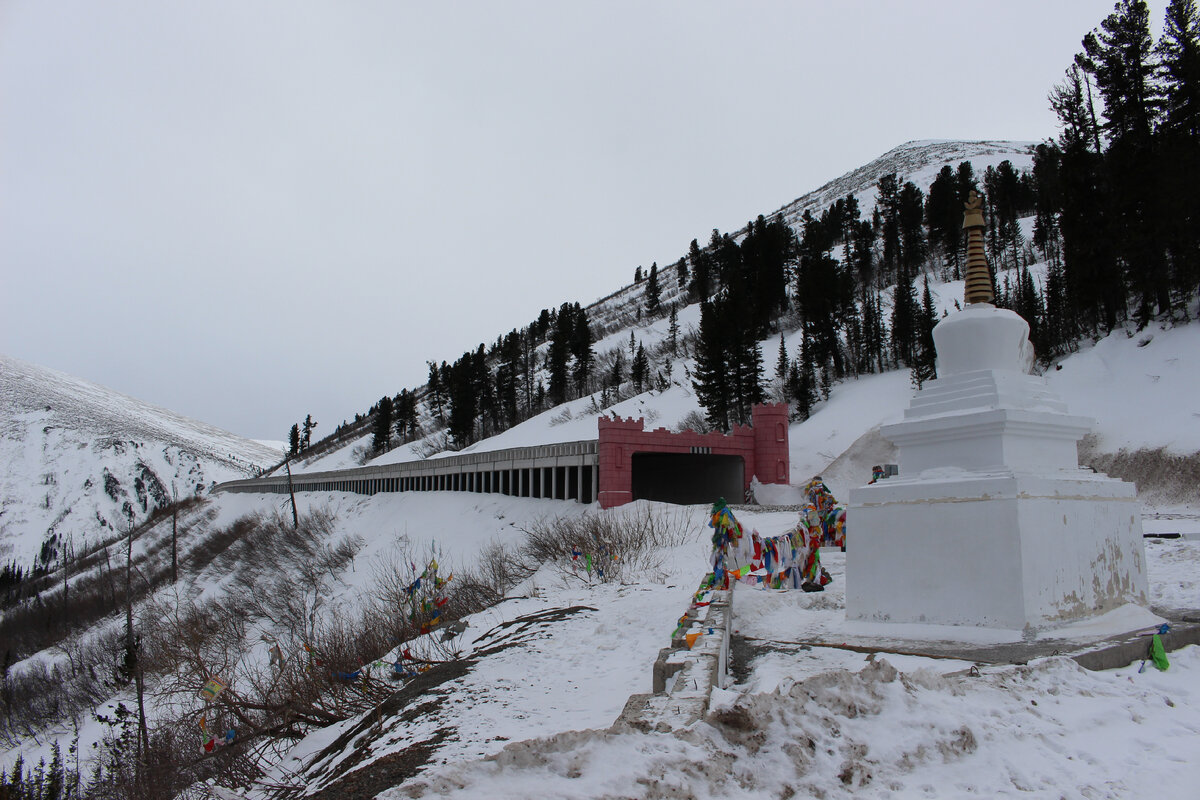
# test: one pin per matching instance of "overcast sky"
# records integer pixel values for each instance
(248, 211)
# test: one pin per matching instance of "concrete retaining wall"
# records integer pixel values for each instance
(684, 676)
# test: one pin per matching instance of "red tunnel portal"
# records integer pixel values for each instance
(710, 468)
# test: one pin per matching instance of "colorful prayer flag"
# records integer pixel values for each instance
(211, 689)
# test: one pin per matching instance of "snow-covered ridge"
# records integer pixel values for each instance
(80, 459)
(917, 161)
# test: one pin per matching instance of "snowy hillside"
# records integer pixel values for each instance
(520, 698)
(918, 162)
(615, 316)
(80, 459)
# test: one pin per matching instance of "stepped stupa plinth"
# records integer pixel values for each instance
(991, 523)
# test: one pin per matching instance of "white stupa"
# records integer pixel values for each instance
(991, 522)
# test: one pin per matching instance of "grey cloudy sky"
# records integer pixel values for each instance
(247, 211)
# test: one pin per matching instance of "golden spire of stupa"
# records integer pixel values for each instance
(979, 278)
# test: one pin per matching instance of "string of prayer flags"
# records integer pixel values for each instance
(730, 549)
(830, 516)
(788, 561)
(211, 689)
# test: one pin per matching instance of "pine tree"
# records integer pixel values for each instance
(484, 385)
(709, 375)
(405, 411)
(701, 262)
(436, 388)
(294, 441)
(461, 394)
(508, 378)
(1047, 161)
(382, 429)
(559, 354)
(925, 368)
(306, 439)
(1093, 284)
(1179, 50)
(616, 375)
(1179, 53)
(943, 212)
(581, 350)
(673, 332)
(803, 379)
(904, 322)
(781, 363)
(887, 207)
(637, 274)
(640, 370)
(1121, 58)
(1028, 304)
(681, 273)
(653, 292)
(911, 220)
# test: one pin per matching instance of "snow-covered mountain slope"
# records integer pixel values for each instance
(917, 161)
(80, 459)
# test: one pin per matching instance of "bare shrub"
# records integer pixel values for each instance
(500, 567)
(694, 421)
(625, 545)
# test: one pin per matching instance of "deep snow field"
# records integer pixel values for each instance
(816, 721)
(531, 718)
(806, 720)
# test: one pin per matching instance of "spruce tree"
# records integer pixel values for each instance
(461, 391)
(1179, 51)
(904, 322)
(911, 221)
(436, 389)
(673, 332)
(803, 379)
(681, 273)
(294, 441)
(1094, 287)
(653, 291)
(925, 366)
(616, 375)
(490, 413)
(382, 429)
(640, 369)
(508, 377)
(306, 438)
(944, 212)
(1121, 58)
(581, 350)
(405, 412)
(1179, 54)
(559, 354)
(709, 377)
(701, 286)
(888, 208)
(1047, 161)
